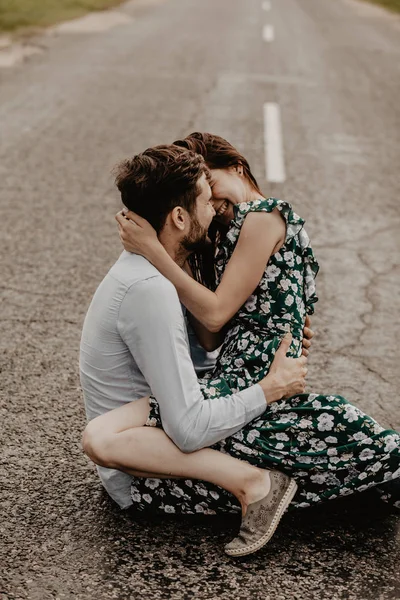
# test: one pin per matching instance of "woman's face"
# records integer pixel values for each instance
(228, 188)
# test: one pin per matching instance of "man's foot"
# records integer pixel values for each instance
(262, 517)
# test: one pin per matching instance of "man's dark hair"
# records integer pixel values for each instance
(154, 182)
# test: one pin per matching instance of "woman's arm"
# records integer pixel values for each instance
(209, 340)
(261, 235)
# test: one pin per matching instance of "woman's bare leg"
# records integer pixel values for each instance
(119, 440)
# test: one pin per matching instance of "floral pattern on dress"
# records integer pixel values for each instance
(328, 445)
(279, 304)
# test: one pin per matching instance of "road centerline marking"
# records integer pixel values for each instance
(273, 144)
(268, 33)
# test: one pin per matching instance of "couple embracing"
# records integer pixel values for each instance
(194, 351)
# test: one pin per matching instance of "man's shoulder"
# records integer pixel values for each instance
(145, 293)
(131, 269)
(134, 271)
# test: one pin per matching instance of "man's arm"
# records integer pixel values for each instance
(152, 325)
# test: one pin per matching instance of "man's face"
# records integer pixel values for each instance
(201, 218)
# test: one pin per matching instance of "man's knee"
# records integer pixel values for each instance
(96, 445)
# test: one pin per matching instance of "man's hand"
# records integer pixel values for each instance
(136, 234)
(308, 334)
(287, 376)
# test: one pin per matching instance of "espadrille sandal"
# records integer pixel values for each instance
(262, 517)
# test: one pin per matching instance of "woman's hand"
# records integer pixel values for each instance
(136, 234)
(308, 334)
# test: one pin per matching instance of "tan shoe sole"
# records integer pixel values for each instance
(284, 503)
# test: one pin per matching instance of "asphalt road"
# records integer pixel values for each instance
(67, 115)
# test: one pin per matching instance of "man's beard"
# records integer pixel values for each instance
(197, 239)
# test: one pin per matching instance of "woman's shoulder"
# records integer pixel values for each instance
(246, 212)
(254, 221)
(245, 209)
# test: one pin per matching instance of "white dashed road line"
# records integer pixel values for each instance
(273, 145)
(268, 33)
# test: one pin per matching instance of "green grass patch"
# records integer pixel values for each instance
(24, 14)
(393, 5)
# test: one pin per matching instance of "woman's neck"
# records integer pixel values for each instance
(252, 194)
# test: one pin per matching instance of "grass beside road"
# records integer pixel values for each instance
(24, 14)
(393, 5)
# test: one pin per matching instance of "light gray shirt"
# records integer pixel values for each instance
(135, 343)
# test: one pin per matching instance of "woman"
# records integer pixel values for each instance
(264, 278)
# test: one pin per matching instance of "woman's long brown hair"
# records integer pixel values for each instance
(218, 154)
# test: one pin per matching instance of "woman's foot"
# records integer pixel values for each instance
(262, 516)
(256, 486)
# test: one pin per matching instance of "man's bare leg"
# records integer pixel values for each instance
(119, 440)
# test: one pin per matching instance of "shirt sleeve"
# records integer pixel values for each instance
(151, 323)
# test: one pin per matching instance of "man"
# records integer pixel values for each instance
(134, 340)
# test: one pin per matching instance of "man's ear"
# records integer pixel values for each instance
(179, 217)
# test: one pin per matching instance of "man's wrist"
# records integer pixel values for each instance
(272, 388)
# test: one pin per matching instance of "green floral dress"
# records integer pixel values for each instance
(328, 445)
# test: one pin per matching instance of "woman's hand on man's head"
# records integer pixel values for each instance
(136, 234)
(308, 334)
